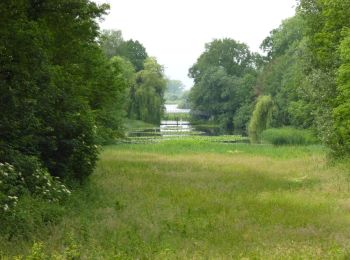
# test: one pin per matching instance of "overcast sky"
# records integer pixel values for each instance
(175, 31)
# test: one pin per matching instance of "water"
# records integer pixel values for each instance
(173, 109)
(176, 126)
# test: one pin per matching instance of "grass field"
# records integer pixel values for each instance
(197, 199)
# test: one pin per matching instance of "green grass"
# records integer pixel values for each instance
(219, 145)
(201, 199)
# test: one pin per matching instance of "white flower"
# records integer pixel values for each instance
(6, 207)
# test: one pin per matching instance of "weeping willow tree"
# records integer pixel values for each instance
(261, 118)
(149, 93)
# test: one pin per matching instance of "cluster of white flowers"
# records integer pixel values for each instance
(6, 169)
(40, 183)
(6, 207)
(49, 187)
(9, 178)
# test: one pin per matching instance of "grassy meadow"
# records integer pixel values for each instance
(198, 199)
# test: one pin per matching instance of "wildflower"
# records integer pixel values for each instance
(6, 207)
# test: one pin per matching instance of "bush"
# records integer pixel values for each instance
(288, 136)
(11, 186)
(29, 196)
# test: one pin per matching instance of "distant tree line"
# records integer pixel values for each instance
(305, 71)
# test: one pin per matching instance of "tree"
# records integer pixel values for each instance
(235, 57)
(174, 89)
(149, 92)
(135, 52)
(341, 139)
(110, 41)
(213, 98)
(261, 118)
(108, 97)
(224, 77)
(326, 22)
(46, 78)
(113, 44)
(283, 76)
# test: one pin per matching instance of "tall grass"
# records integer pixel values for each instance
(197, 199)
(288, 136)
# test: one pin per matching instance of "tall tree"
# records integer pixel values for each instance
(326, 25)
(149, 94)
(221, 82)
(283, 75)
(135, 52)
(47, 49)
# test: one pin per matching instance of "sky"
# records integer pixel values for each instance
(175, 31)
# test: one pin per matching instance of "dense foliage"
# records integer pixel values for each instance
(224, 77)
(145, 79)
(59, 97)
(149, 92)
(55, 84)
(305, 70)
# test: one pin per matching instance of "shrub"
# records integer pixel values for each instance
(26, 175)
(288, 136)
(25, 190)
(11, 186)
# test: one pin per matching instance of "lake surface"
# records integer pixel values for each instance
(176, 127)
(168, 128)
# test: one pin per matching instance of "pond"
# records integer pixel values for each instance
(175, 124)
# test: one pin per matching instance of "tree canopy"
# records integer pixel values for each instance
(224, 81)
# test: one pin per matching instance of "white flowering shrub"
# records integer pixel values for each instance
(11, 186)
(42, 184)
(36, 182)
